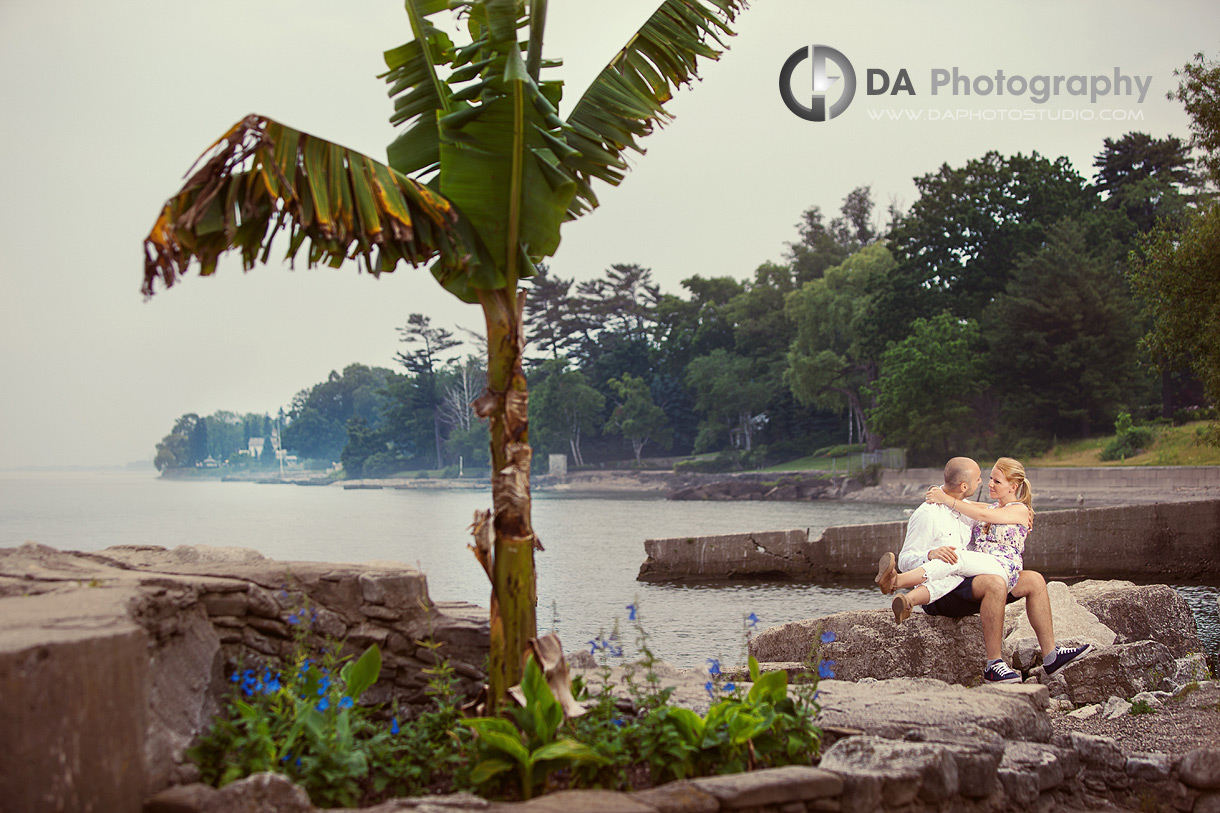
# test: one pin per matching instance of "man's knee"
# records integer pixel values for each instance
(988, 584)
(1029, 583)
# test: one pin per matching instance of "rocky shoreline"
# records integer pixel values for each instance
(1093, 487)
(113, 661)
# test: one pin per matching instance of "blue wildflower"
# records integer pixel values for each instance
(273, 685)
(287, 757)
(293, 619)
(394, 729)
(619, 721)
(752, 620)
(615, 651)
(631, 611)
(711, 690)
(236, 677)
(345, 703)
(730, 687)
(826, 669)
(313, 616)
(593, 647)
(828, 637)
(324, 704)
(713, 668)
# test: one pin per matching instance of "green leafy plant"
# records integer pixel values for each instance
(305, 725)
(1129, 439)
(1141, 707)
(531, 747)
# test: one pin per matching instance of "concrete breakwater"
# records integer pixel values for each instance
(1178, 541)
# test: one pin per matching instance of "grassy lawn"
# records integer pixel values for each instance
(1172, 446)
(823, 463)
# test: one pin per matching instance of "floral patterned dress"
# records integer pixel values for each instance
(1005, 542)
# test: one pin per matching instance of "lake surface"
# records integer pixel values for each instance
(586, 575)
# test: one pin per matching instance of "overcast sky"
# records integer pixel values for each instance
(105, 106)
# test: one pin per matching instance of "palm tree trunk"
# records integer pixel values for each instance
(514, 593)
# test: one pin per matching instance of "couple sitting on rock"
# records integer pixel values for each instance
(962, 557)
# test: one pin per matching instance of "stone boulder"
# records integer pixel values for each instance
(1151, 612)
(868, 644)
(1074, 625)
(113, 661)
(912, 707)
(1122, 669)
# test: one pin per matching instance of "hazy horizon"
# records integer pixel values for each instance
(108, 106)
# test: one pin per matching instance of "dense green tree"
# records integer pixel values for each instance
(550, 311)
(1061, 337)
(172, 452)
(565, 409)
(427, 345)
(1177, 277)
(1177, 273)
(636, 417)
(957, 246)
(318, 416)
(199, 441)
(311, 435)
(1143, 178)
(830, 363)
(1199, 92)
(266, 457)
(697, 325)
(733, 392)
(927, 382)
(817, 247)
(363, 441)
(821, 245)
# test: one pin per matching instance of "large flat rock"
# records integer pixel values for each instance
(894, 708)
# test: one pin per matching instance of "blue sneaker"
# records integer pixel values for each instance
(1065, 656)
(1000, 673)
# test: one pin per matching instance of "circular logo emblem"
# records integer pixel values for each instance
(818, 54)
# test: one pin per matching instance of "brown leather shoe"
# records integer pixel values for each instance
(887, 573)
(902, 608)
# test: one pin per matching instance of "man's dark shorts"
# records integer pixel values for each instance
(959, 602)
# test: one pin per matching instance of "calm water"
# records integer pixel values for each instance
(586, 576)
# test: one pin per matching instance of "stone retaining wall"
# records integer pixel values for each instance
(112, 662)
(913, 746)
(1178, 541)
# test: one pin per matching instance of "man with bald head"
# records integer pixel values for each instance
(937, 532)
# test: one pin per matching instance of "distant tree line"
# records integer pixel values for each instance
(1003, 310)
(222, 437)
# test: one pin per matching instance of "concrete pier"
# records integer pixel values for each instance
(1173, 541)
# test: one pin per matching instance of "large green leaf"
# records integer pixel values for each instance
(567, 750)
(542, 714)
(262, 176)
(419, 93)
(362, 673)
(627, 98)
(496, 162)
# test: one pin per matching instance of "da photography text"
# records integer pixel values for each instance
(834, 84)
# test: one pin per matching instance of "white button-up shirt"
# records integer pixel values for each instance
(931, 526)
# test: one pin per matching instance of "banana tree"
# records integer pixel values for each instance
(478, 184)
